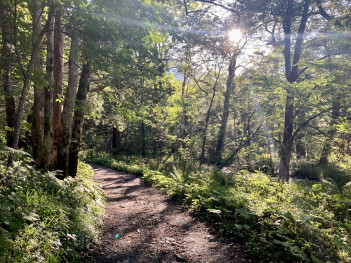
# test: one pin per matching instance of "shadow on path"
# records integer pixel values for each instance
(151, 227)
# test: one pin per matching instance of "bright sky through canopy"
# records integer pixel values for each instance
(235, 35)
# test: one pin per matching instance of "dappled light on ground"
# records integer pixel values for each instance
(151, 227)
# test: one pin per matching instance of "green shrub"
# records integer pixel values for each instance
(44, 219)
(304, 221)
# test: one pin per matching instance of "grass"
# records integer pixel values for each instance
(304, 221)
(43, 219)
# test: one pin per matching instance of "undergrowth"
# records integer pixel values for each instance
(43, 219)
(303, 221)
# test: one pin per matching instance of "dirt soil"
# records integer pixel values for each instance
(144, 225)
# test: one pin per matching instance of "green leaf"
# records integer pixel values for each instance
(155, 37)
(30, 216)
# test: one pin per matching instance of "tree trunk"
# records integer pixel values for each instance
(10, 104)
(6, 67)
(299, 140)
(327, 148)
(59, 41)
(27, 76)
(67, 114)
(292, 74)
(143, 140)
(116, 141)
(184, 107)
(78, 120)
(286, 147)
(48, 104)
(39, 94)
(207, 120)
(217, 156)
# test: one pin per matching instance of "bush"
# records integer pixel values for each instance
(44, 219)
(304, 221)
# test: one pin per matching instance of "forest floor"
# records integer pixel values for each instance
(144, 225)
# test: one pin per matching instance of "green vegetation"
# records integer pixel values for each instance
(207, 93)
(304, 221)
(43, 219)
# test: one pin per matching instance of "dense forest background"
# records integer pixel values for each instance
(256, 88)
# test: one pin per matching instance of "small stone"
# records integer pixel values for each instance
(179, 258)
(167, 250)
(126, 261)
(243, 260)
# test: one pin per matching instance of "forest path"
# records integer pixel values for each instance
(151, 227)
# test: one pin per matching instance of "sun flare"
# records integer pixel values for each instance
(235, 35)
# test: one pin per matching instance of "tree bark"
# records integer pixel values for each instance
(327, 147)
(116, 141)
(67, 114)
(39, 94)
(143, 140)
(292, 74)
(286, 147)
(48, 104)
(6, 67)
(59, 42)
(27, 76)
(207, 120)
(299, 140)
(184, 106)
(78, 120)
(217, 156)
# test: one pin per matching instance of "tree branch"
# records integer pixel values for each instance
(213, 2)
(230, 158)
(326, 16)
(305, 123)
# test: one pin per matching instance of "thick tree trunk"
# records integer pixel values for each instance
(116, 141)
(59, 41)
(6, 67)
(27, 77)
(48, 104)
(78, 120)
(67, 114)
(292, 74)
(39, 94)
(9, 104)
(217, 156)
(286, 147)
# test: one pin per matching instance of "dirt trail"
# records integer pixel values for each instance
(151, 227)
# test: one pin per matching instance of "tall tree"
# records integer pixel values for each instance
(26, 71)
(67, 114)
(6, 67)
(78, 120)
(39, 94)
(48, 105)
(232, 54)
(59, 44)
